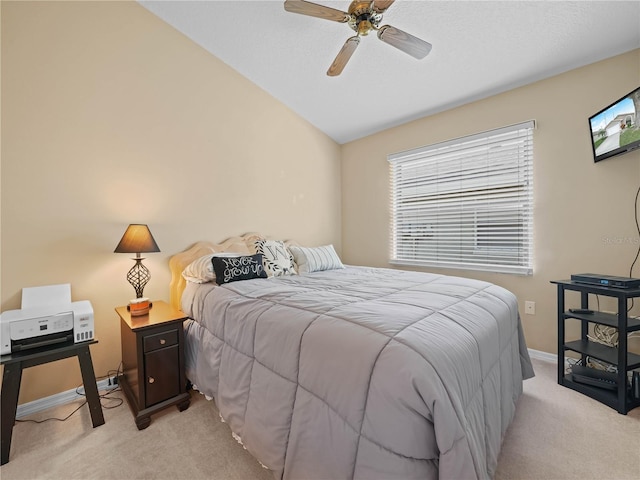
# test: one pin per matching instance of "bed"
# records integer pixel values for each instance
(356, 372)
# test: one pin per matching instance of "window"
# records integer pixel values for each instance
(466, 203)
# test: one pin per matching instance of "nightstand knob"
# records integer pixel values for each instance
(151, 379)
(162, 341)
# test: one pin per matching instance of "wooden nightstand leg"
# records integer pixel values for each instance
(182, 406)
(143, 422)
(10, 390)
(90, 386)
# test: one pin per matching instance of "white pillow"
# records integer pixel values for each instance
(201, 270)
(276, 257)
(316, 259)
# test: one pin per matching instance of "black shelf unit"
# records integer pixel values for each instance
(620, 399)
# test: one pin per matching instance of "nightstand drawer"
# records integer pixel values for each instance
(160, 340)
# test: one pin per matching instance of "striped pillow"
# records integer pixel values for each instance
(315, 259)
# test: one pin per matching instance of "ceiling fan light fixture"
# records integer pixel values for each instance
(364, 27)
(362, 17)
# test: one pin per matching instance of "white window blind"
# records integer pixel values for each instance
(465, 203)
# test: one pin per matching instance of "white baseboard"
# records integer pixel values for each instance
(57, 399)
(543, 356)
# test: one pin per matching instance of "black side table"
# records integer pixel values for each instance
(14, 364)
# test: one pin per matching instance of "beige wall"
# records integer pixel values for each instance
(584, 212)
(111, 117)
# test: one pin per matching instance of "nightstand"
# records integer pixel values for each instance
(152, 375)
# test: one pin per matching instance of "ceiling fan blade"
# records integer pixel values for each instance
(381, 5)
(343, 56)
(402, 40)
(315, 10)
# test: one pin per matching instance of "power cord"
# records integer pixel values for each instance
(635, 206)
(590, 362)
(54, 418)
(103, 396)
(604, 335)
(635, 211)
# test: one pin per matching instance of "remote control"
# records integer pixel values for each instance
(581, 310)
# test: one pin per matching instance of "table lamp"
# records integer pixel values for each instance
(137, 239)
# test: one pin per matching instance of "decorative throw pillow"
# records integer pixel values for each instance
(232, 269)
(201, 269)
(276, 257)
(316, 259)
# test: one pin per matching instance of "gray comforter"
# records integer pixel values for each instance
(361, 373)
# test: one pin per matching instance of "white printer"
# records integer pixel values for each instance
(47, 316)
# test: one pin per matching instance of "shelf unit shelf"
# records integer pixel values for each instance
(602, 352)
(608, 319)
(622, 398)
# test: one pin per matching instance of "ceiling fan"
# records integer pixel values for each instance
(362, 17)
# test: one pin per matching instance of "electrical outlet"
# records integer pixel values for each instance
(530, 307)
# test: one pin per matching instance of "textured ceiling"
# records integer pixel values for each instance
(480, 48)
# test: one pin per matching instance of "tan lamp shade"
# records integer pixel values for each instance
(137, 239)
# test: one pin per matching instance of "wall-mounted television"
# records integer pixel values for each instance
(616, 129)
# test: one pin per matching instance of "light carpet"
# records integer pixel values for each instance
(557, 434)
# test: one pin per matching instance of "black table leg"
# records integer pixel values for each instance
(10, 390)
(90, 386)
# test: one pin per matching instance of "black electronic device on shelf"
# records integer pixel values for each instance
(594, 377)
(606, 280)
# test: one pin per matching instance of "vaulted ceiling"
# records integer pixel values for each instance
(480, 48)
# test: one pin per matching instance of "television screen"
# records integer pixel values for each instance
(616, 128)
